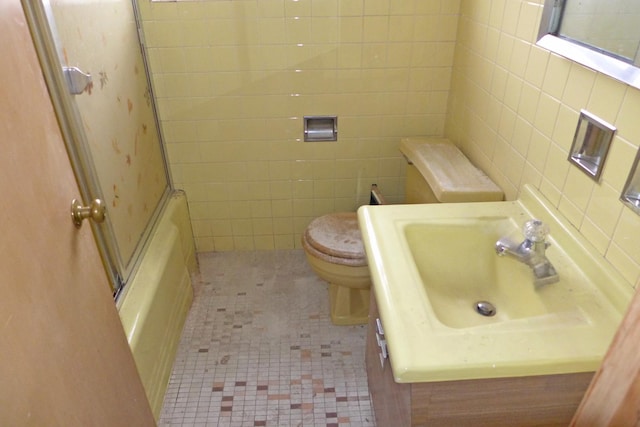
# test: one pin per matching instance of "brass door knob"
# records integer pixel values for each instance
(96, 211)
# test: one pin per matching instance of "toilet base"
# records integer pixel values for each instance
(349, 306)
(348, 288)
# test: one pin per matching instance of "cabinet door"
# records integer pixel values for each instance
(64, 359)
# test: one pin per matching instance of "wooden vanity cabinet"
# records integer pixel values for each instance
(391, 401)
(548, 400)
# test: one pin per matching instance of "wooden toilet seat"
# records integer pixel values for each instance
(337, 235)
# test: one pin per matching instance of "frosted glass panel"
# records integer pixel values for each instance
(100, 38)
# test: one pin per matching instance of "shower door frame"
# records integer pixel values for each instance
(118, 270)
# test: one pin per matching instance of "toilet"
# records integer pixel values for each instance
(437, 172)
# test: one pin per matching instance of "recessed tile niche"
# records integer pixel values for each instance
(591, 144)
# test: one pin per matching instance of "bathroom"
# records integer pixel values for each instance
(233, 79)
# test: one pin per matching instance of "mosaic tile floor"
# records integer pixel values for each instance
(258, 349)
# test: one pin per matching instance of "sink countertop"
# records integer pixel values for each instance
(424, 349)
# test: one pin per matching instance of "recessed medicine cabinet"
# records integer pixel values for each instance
(599, 34)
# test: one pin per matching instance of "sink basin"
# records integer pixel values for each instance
(458, 268)
(432, 264)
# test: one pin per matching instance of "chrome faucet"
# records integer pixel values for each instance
(531, 251)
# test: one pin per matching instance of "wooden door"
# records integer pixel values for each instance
(64, 359)
(613, 397)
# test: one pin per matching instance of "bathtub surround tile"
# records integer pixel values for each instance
(258, 349)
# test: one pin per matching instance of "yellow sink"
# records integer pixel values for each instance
(431, 266)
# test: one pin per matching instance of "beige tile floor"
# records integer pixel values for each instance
(258, 349)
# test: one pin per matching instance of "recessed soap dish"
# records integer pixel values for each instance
(591, 144)
(631, 193)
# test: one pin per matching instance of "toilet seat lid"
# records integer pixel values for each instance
(336, 234)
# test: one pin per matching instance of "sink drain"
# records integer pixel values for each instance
(485, 308)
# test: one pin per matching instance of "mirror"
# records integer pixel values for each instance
(631, 193)
(599, 34)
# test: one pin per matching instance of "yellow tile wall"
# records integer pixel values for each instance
(234, 78)
(513, 109)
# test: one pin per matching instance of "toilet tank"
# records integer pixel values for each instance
(438, 172)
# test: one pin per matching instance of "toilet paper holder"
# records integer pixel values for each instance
(320, 128)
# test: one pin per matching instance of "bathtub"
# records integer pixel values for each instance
(156, 300)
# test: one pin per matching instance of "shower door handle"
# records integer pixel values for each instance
(77, 80)
(96, 211)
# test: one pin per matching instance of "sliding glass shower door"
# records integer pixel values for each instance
(108, 108)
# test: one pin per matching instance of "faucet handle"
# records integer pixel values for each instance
(535, 230)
